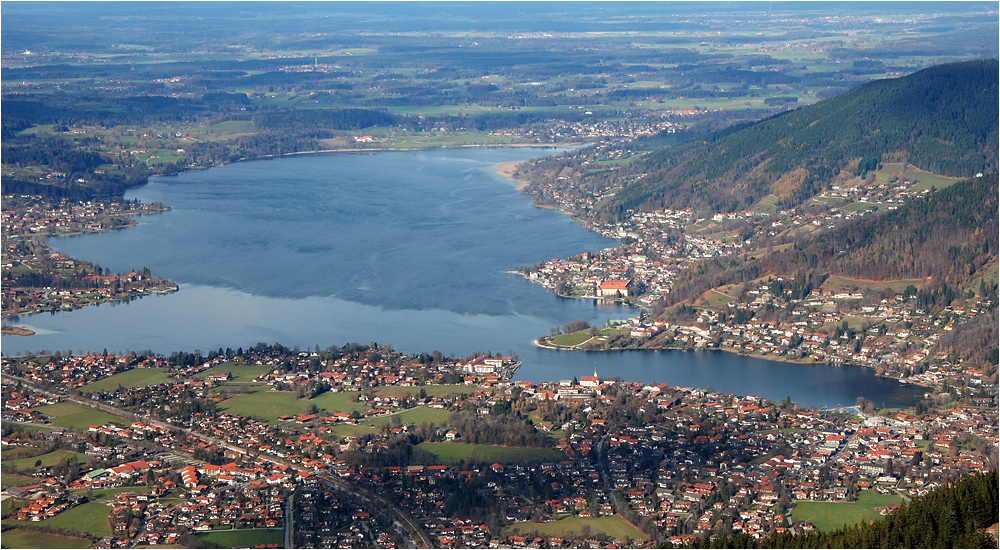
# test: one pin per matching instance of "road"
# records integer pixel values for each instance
(604, 473)
(289, 520)
(375, 501)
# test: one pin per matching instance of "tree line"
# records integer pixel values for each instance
(951, 517)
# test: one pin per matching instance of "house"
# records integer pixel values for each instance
(590, 381)
(614, 288)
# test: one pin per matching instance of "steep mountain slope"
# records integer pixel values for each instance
(947, 238)
(942, 119)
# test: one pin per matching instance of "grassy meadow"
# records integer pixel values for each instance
(612, 526)
(827, 516)
(129, 379)
(47, 460)
(19, 538)
(239, 371)
(77, 417)
(243, 538)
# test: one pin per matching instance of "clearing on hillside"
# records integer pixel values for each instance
(827, 516)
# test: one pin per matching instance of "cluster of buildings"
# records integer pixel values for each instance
(657, 249)
(675, 463)
(891, 333)
(35, 279)
(35, 214)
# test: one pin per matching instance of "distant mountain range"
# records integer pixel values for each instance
(942, 119)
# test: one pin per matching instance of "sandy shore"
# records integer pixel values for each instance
(506, 169)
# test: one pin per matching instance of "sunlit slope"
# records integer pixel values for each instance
(942, 119)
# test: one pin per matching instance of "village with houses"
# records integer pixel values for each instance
(363, 446)
(886, 326)
(37, 279)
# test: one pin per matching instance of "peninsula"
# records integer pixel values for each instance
(796, 283)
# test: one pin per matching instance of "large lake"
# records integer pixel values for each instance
(407, 248)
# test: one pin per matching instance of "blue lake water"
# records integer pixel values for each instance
(407, 248)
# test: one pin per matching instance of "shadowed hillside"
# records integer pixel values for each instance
(941, 119)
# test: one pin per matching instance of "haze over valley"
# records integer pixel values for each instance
(500, 274)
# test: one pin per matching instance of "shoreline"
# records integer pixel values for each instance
(537, 343)
(401, 149)
(16, 330)
(507, 169)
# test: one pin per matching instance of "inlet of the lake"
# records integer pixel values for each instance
(407, 248)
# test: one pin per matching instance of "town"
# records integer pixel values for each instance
(36, 279)
(363, 446)
(890, 326)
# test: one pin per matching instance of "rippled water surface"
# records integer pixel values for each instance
(410, 248)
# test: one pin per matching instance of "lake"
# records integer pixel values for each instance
(407, 248)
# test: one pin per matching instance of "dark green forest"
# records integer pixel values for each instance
(941, 119)
(951, 517)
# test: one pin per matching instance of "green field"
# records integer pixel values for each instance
(451, 139)
(238, 371)
(837, 282)
(827, 516)
(417, 416)
(50, 459)
(266, 405)
(77, 417)
(245, 538)
(27, 428)
(353, 430)
(223, 130)
(17, 538)
(128, 379)
(269, 405)
(571, 339)
(20, 452)
(18, 270)
(859, 206)
(923, 179)
(717, 298)
(14, 480)
(612, 526)
(989, 273)
(90, 518)
(111, 493)
(339, 402)
(455, 452)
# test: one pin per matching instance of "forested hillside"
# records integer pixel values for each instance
(941, 119)
(948, 237)
(952, 517)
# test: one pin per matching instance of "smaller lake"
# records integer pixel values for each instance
(407, 248)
